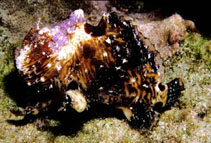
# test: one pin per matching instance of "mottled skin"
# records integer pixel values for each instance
(107, 64)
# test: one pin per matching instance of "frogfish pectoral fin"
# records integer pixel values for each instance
(78, 101)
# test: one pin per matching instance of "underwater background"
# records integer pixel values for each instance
(175, 31)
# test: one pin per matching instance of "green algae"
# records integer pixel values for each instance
(6, 56)
(6, 67)
(192, 64)
(198, 48)
(190, 118)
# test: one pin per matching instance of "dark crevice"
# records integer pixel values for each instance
(98, 30)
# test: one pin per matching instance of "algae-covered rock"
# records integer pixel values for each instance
(190, 121)
(6, 56)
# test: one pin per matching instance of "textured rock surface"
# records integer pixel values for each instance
(188, 121)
